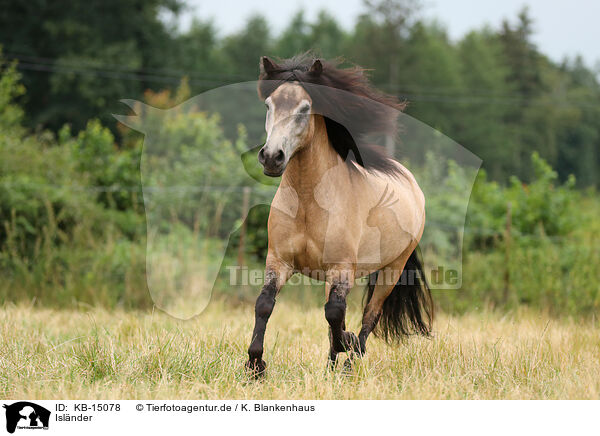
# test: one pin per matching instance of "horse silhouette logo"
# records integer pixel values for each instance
(201, 180)
(26, 415)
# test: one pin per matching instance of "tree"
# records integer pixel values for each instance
(525, 77)
(522, 55)
(324, 37)
(243, 50)
(380, 37)
(327, 37)
(295, 38)
(199, 56)
(78, 61)
(431, 77)
(481, 110)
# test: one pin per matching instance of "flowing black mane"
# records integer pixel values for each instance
(362, 109)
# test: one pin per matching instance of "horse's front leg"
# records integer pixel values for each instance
(337, 288)
(276, 274)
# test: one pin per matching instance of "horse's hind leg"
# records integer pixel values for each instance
(386, 280)
(372, 313)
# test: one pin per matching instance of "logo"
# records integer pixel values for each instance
(188, 167)
(26, 415)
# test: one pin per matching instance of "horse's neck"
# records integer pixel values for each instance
(306, 169)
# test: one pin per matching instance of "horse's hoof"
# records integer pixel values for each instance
(256, 368)
(349, 365)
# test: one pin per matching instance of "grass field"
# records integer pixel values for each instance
(53, 354)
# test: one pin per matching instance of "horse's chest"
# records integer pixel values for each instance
(324, 239)
(295, 236)
(311, 229)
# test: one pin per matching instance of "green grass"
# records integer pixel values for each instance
(53, 354)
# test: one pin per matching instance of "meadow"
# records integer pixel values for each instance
(95, 353)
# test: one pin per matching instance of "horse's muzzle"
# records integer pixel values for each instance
(273, 163)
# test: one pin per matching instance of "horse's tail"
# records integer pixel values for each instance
(408, 309)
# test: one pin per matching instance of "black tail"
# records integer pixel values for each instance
(408, 309)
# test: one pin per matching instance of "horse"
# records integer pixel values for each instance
(344, 209)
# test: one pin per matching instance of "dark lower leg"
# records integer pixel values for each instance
(263, 309)
(332, 358)
(370, 319)
(335, 313)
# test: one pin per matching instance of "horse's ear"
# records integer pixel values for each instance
(267, 65)
(316, 68)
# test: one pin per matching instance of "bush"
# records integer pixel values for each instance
(542, 207)
(549, 261)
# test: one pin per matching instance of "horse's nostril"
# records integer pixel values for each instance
(261, 155)
(279, 156)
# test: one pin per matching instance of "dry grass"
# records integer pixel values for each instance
(50, 354)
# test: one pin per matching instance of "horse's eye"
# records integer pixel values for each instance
(304, 109)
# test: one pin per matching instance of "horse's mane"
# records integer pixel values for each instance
(365, 112)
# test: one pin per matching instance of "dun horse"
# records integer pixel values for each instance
(344, 209)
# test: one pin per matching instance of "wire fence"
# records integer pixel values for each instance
(266, 196)
(170, 76)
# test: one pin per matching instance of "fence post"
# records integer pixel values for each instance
(245, 205)
(507, 242)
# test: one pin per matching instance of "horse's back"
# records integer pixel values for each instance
(392, 210)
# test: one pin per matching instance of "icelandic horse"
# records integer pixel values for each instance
(343, 209)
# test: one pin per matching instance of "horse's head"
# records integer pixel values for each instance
(288, 124)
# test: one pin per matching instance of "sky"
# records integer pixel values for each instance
(561, 28)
